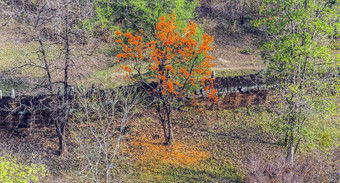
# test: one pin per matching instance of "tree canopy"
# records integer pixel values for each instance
(173, 59)
(300, 63)
(133, 15)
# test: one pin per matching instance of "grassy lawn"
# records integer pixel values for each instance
(234, 72)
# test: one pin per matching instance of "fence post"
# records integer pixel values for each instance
(213, 74)
(59, 94)
(197, 91)
(92, 89)
(12, 94)
(188, 94)
(71, 91)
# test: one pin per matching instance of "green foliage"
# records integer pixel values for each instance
(334, 45)
(323, 134)
(247, 51)
(299, 63)
(133, 15)
(13, 171)
(298, 32)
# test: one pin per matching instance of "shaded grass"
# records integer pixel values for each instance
(206, 172)
(18, 84)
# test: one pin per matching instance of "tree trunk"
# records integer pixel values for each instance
(290, 149)
(285, 143)
(107, 175)
(290, 154)
(162, 118)
(242, 12)
(46, 66)
(62, 144)
(165, 133)
(170, 128)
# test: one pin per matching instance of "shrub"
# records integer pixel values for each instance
(13, 171)
(306, 169)
(141, 14)
(99, 126)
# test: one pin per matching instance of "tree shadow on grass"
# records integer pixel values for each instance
(233, 135)
(203, 174)
(248, 139)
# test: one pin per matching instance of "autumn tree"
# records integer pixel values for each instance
(173, 60)
(300, 64)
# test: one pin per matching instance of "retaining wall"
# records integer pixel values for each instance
(237, 91)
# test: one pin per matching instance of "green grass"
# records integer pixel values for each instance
(234, 72)
(323, 132)
(108, 78)
(111, 77)
(16, 55)
(12, 55)
(211, 171)
(16, 83)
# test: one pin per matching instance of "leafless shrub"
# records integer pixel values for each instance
(231, 10)
(306, 169)
(54, 25)
(53, 28)
(98, 128)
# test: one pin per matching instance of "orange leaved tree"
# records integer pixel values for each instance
(173, 60)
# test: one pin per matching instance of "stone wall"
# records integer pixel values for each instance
(21, 111)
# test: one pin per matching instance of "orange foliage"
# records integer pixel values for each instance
(150, 154)
(176, 60)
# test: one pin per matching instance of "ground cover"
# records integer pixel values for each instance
(210, 145)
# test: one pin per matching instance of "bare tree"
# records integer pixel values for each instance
(5, 18)
(99, 125)
(55, 26)
(234, 10)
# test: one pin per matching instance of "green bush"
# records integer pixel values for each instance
(13, 171)
(140, 14)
